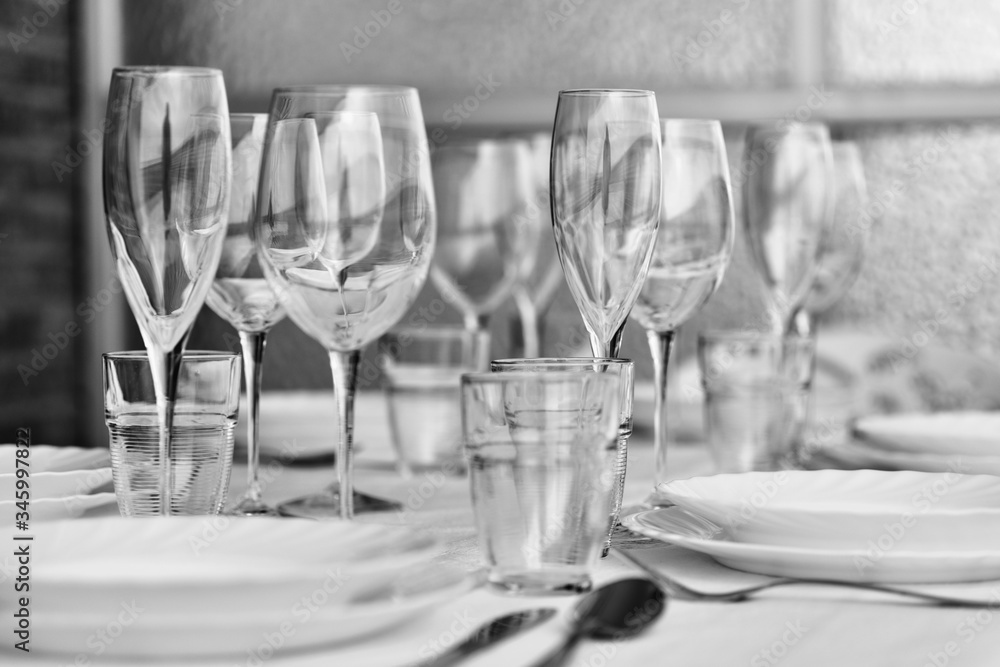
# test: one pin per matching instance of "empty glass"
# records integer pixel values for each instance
(605, 176)
(756, 397)
(693, 245)
(624, 371)
(422, 373)
(484, 190)
(786, 210)
(208, 397)
(167, 167)
(541, 450)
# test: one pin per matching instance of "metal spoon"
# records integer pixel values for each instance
(618, 610)
(491, 633)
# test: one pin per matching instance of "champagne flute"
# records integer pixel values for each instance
(842, 248)
(241, 295)
(539, 274)
(166, 196)
(786, 209)
(345, 230)
(605, 183)
(693, 246)
(484, 191)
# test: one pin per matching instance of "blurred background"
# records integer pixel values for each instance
(915, 82)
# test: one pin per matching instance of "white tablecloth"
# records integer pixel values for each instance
(788, 626)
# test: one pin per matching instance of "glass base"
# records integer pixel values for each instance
(540, 583)
(326, 505)
(252, 507)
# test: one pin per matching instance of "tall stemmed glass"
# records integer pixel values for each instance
(605, 185)
(842, 248)
(786, 209)
(166, 196)
(484, 190)
(345, 229)
(539, 274)
(241, 295)
(693, 246)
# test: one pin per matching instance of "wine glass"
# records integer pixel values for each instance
(166, 197)
(786, 209)
(345, 230)
(605, 185)
(241, 295)
(693, 246)
(484, 191)
(842, 248)
(539, 274)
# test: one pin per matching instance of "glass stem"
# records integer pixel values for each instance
(165, 366)
(345, 378)
(660, 344)
(253, 362)
(530, 334)
(610, 349)
(802, 323)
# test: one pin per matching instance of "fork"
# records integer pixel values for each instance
(684, 592)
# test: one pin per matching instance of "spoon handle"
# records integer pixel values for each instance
(562, 654)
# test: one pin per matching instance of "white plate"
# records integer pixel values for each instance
(47, 458)
(949, 433)
(56, 484)
(847, 509)
(213, 565)
(53, 509)
(858, 454)
(150, 633)
(675, 526)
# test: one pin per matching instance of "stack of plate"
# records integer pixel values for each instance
(64, 482)
(932, 442)
(864, 525)
(226, 585)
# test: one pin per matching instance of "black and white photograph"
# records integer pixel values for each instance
(514, 333)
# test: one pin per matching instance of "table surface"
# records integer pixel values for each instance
(787, 627)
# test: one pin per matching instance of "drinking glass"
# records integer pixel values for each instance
(541, 448)
(756, 397)
(484, 192)
(241, 294)
(345, 231)
(693, 246)
(842, 248)
(539, 274)
(422, 370)
(166, 197)
(207, 400)
(786, 210)
(624, 371)
(605, 180)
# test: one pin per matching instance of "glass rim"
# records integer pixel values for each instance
(606, 92)
(195, 355)
(247, 115)
(563, 361)
(467, 141)
(485, 377)
(343, 88)
(788, 127)
(737, 336)
(127, 71)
